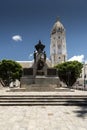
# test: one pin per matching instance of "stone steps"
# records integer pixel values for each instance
(43, 100)
(40, 88)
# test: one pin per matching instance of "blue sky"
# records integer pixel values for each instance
(33, 21)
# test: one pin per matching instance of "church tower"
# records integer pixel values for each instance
(58, 53)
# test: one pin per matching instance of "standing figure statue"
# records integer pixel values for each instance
(39, 58)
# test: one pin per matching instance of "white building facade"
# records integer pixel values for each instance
(58, 53)
(83, 77)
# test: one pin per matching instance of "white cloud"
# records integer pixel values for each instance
(17, 38)
(30, 55)
(79, 58)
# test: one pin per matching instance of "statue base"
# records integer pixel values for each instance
(41, 80)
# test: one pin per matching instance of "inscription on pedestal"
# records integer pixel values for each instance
(27, 71)
(51, 72)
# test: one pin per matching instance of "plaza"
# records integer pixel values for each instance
(43, 117)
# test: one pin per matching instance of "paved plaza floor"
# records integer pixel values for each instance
(43, 118)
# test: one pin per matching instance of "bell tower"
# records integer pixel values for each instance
(58, 53)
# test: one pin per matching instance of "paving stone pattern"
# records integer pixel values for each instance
(43, 118)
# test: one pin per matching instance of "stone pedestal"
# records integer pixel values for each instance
(40, 80)
(40, 75)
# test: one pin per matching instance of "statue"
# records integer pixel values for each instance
(39, 56)
(35, 56)
(44, 56)
(39, 47)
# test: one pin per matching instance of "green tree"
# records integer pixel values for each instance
(10, 70)
(68, 72)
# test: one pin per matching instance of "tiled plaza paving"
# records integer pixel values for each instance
(43, 118)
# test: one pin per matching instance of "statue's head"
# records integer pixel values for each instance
(39, 47)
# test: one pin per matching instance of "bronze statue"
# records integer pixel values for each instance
(39, 56)
(35, 56)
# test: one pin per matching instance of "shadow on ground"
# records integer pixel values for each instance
(82, 108)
